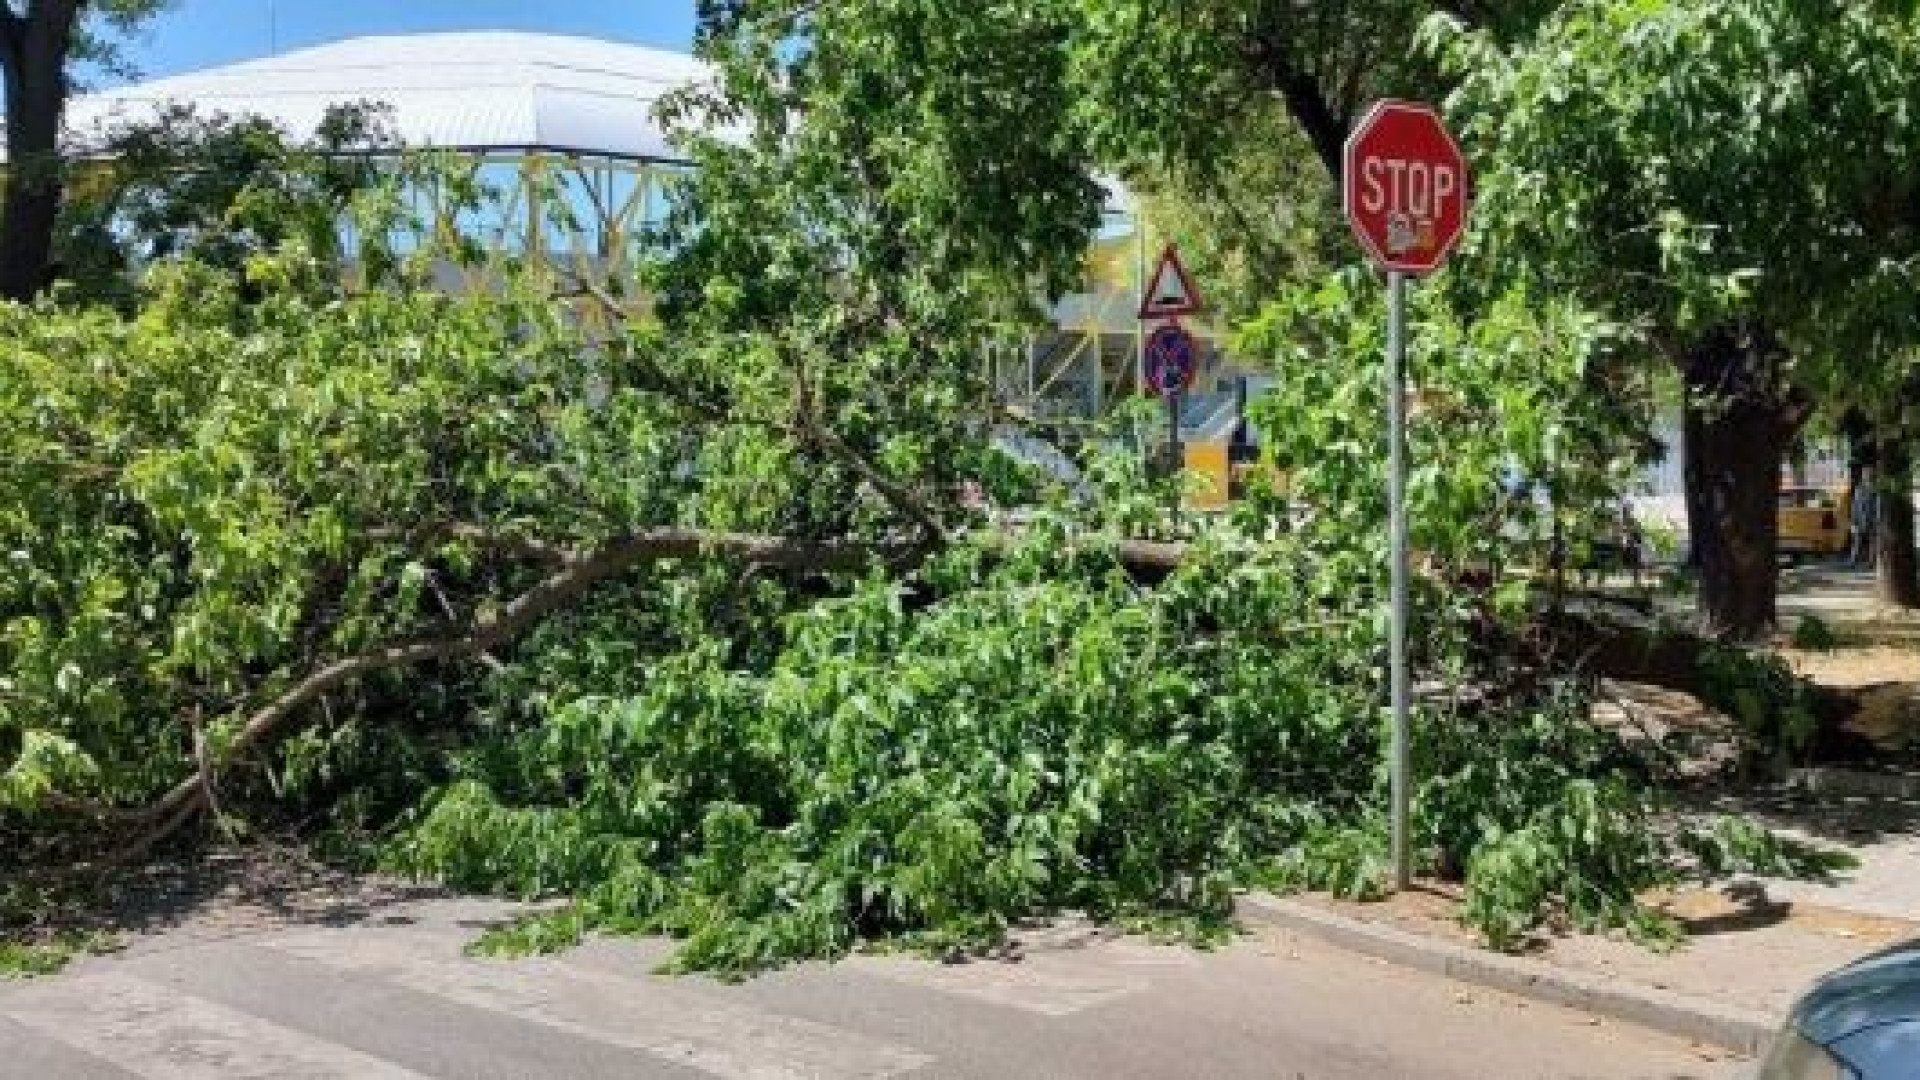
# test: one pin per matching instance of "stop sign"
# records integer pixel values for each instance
(1405, 186)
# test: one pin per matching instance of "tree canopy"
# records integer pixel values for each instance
(1738, 179)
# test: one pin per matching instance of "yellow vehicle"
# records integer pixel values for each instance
(1814, 521)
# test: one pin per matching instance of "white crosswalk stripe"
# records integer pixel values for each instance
(674, 1022)
(160, 1033)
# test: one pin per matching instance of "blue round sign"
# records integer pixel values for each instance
(1172, 359)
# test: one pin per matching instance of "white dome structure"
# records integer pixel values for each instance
(542, 117)
(473, 91)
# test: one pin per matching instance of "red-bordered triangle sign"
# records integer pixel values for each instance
(1170, 292)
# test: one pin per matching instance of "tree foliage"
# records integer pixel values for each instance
(215, 187)
(1183, 86)
(1737, 179)
(1692, 164)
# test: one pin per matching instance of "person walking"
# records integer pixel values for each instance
(1865, 507)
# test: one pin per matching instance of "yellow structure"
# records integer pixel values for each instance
(1209, 480)
(1093, 360)
(578, 217)
(1814, 520)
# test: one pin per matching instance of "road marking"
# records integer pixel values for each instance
(674, 1022)
(1036, 984)
(161, 1033)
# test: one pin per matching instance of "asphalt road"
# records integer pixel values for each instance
(390, 995)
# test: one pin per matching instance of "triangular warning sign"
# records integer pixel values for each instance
(1170, 292)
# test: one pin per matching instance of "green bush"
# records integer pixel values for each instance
(1773, 707)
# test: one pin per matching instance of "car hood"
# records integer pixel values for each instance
(1887, 1050)
(1880, 989)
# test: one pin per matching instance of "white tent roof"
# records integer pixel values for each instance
(470, 91)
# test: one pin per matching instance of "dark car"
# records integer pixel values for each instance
(1859, 1023)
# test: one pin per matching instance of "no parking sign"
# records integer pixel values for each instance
(1172, 359)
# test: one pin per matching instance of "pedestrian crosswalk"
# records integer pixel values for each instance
(156, 1033)
(661, 1017)
(144, 1017)
(386, 992)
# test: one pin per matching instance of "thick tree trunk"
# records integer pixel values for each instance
(1740, 418)
(33, 49)
(1636, 652)
(1898, 574)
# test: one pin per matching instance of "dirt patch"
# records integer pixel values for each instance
(1888, 680)
(1432, 909)
(1748, 905)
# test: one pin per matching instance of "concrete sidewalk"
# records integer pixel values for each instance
(1753, 945)
(1844, 598)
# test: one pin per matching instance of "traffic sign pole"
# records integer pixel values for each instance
(1404, 185)
(1173, 449)
(1402, 849)
(1172, 358)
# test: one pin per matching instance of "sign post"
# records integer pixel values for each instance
(1400, 764)
(1172, 357)
(1405, 191)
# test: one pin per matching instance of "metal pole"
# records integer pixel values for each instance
(1173, 449)
(1397, 514)
(1140, 286)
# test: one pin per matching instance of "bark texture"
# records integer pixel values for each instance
(1630, 651)
(1897, 574)
(33, 52)
(1741, 415)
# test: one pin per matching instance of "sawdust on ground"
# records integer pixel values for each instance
(1856, 667)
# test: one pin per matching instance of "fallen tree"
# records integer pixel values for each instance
(1633, 650)
(241, 598)
(1785, 719)
(717, 648)
(576, 574)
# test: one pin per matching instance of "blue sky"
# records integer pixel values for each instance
(202, 33)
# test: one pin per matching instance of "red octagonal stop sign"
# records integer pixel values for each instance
(1405, 186)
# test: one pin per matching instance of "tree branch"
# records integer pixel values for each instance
(806, 428)
(1305, 98)
(498, 541)
(579, 574)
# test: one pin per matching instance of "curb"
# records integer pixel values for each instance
(1742, 1030)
